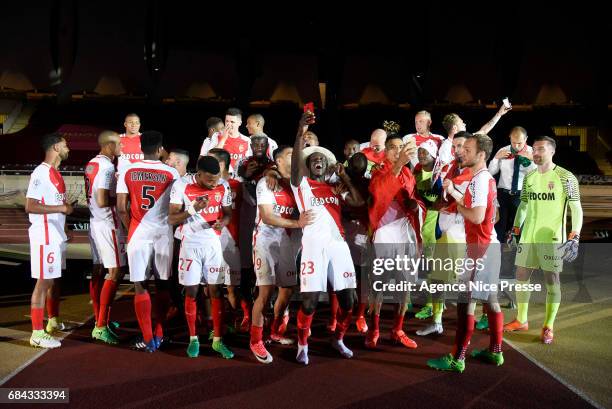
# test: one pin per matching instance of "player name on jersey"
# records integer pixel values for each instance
(142, 176)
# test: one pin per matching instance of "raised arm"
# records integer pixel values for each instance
(486, 128)
(297, 170)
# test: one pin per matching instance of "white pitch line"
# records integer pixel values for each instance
(44, 350)
(565, 383)
(23, 366)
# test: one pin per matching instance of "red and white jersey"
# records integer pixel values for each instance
(130, 151)
(322, 199)
(283, 205)
(100, 174)
(395, 226)
(233, 227)
(239, 148)
(419, 139)
(481, 192)
(198, 228)
(47, 186)
(450, 220)
(148, 184)
(186, 179)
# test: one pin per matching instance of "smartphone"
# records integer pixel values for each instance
(506, 102)
(309, 107)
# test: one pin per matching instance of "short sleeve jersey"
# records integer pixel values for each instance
(47, 186)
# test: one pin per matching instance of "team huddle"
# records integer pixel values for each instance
(257, 223)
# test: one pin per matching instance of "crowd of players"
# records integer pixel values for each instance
(257, 222)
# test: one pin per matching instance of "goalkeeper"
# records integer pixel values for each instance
(547, 193)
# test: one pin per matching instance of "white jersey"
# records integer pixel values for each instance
(322, 199)
(186, 179)
(148, 184)
(283, 205)
(197, 229)
(47, 186)
(100, 174)
(130, 151)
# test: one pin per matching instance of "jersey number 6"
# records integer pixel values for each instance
(146, 195)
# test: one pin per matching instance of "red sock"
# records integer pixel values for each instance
(496, 330)
(303, 324)
(37, 315)
(344, 320)
(217, 315)
(106, 299)
(246, 308)
(256, 334)
(398, 322)
(362, 309)
(142, 305)
(465, 329)
(53, 307)
(276, 323)
(162, 305)
(95, 288)
(375, 322)
(190, 314)
(333, 305)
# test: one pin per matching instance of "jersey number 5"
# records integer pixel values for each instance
(149, 197)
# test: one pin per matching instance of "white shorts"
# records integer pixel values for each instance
(47, 260)
(245, 233)
(231, 255)
(274, 261)
(95, 254)
(403, 251)
(109, 245)
(323, 261)
(486, 273)
(357, 238)
(201, 265)
(151, 257)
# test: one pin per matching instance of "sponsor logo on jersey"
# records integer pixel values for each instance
(551, 185)
(217, 197)
(211, 209)
(237, 156)
(132, 156)
(319, 201)
(278, 209)
(541, 196)
(140, 176)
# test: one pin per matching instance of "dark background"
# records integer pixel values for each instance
(414, 53)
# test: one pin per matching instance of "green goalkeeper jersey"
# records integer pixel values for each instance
(546, 197)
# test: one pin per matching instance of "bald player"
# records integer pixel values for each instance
(107, 238)
(255, 126)
(375, 149)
